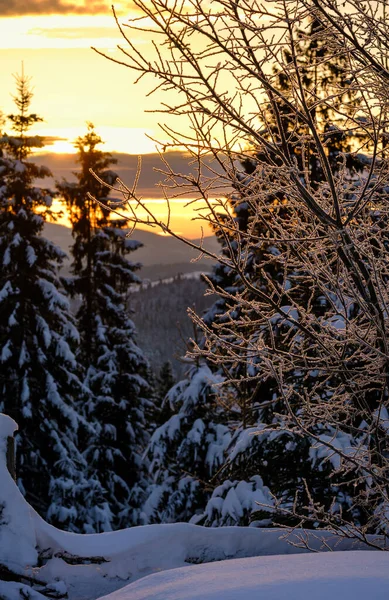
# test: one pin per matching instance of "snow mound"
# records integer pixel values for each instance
(345, 575)
(45, 562)
(17, 531)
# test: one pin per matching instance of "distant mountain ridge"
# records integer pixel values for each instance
(162, 256)
(64, 165)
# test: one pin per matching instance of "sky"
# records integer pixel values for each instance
(72, 84)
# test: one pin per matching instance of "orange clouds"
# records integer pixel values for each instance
(10, 8)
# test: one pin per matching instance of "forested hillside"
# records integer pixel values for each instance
(162, 321)
(160, 257)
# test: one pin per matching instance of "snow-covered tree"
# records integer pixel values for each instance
(115, 368)
(86, 216)
(187, 450)
(39, 375)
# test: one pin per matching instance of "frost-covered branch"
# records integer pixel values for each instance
(287, 106)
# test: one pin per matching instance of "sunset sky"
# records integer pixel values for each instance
(73, 84)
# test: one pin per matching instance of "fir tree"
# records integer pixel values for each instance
(86, 216)
(39, 377)
(116, 369)
(187, 450)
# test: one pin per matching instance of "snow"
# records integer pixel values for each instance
(382, 417)
(326, 446)
(279, 318)
(31, 255)
(6, 352)
(336, 321)
(143, 549)
(6, 291)
(189, 390)
(92, 565)
(17, 537)
(232, 499)
(17, 591)
(131, 554)
(7, 429)
(217, 446)
(348, 576)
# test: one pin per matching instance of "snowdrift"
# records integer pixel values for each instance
(54, 563)
(349, 576)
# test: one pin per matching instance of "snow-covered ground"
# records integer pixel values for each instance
(125, 556)
(344, 576)
(86, 567)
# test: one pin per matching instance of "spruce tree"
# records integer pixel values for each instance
(39, 376)
(187, 450)
(115, 368)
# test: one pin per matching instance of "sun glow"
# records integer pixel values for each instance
(58, 31)
(183, 219)
(130, 140)
(73, 85)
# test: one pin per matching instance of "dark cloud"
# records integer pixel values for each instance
(10, 8)
(49, 140)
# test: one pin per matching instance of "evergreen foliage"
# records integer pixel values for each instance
(86, 216)
(164, 382)
(162, 320)
(115, 368)
(39, 376)
(187, 450)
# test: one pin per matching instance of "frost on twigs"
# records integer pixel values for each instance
(301, 329)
